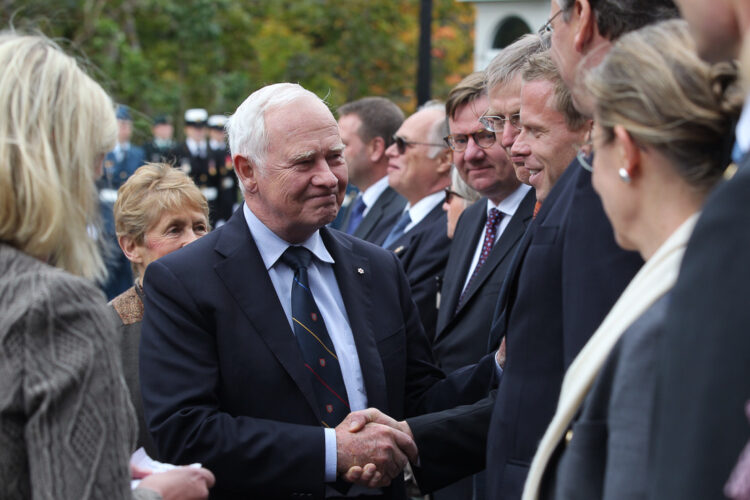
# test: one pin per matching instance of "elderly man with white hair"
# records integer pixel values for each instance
(259, 339)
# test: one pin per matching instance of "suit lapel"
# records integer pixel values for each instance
(246, 278)
(475, 218)
(354, 277)
(402, 244)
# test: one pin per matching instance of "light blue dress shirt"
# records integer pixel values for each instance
(327, 295)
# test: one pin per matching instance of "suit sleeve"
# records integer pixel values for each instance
(179, 379)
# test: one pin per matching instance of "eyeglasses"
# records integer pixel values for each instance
(585, 154)
(547, 28)
(496, 123)
(482, 138)
(449, 194)
(402, 144)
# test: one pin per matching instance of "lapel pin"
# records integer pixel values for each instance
(399, 249)
(360, 270)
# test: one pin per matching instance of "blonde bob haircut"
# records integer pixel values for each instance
(153, 190)
(654, 85)
(56, 124)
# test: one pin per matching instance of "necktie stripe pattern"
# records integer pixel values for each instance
(490, 232)
(315, 344)
(358, 208)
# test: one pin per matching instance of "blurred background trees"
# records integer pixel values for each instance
(164, 56)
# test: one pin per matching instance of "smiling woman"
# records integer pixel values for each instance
(158, 210)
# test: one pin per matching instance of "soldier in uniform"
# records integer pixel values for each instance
(160, 148)
(194, 158)
(228, 191)
(119, 164)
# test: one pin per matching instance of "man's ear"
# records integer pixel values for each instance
(376, 149)
(130, 249)
(445, 158)
(246, 172)
(586, 26)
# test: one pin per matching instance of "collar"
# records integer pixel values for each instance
(372, 193)
(271, 246)
(742, 132)
(424, 206)
(510, 204)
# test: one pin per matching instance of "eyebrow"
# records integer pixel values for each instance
(338, 149)
(304, 156)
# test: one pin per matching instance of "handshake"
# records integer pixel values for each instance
(372, 448)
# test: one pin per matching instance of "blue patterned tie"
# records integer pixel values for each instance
(355, 216)
(317, 349)
(398, 229)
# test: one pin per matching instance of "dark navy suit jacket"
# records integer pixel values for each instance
(381, 217)
(423, 251)
(462, 334)
(703, 374)
(223, 381)
(567, 274)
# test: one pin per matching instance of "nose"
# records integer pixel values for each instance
(391, 151)
(520, 147)
(473, 152)
(509, 135)
(324, 176)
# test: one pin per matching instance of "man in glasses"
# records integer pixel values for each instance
(485, 238)
(419, 163)
(367, 126)
(504, 90)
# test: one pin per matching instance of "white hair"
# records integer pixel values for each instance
(438, 130)
(246, 128)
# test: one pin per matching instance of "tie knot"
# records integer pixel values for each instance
(494, 217)
(296, 257)
(358, 205)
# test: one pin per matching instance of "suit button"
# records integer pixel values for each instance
(568, 436)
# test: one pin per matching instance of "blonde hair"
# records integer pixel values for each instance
(654, 84)
(55, 124)
(152, 190)
(462, 189)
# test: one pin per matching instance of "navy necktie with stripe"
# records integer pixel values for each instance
(315, 344)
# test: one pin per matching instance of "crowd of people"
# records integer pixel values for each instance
(534, 290)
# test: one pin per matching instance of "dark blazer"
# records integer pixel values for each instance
(462, 335)
(605, 457)
(222, 378)
(381, 217)
(567, 274)
(703, 379)
(423, 251)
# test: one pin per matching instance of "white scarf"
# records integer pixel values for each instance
(656, 277)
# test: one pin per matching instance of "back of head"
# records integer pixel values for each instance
(617, 17)
(654, 85)
(469, 89)
(379, 116)
(246, 128)
(509, 63)
(153, 190)
(540, 66)
(56, 124)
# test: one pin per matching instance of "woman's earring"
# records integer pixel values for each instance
(624, 175)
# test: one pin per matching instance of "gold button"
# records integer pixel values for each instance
(568, 436)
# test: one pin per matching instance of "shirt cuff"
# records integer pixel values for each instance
(330, 472)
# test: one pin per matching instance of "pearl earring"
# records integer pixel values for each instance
(624, 175)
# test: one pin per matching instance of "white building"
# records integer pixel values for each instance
(500, 22)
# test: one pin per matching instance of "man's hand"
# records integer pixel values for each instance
(372, 448)
(500, 355)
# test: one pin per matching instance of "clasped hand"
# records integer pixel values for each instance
(372, 448)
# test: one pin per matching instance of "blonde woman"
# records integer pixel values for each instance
(661, 121)
(66, 424)
(458, 197)
(158, 210)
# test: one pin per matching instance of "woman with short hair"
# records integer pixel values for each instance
(158, 210)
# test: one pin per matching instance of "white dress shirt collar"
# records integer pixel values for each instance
(423, 207)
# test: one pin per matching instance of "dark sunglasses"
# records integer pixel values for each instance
(402, 144)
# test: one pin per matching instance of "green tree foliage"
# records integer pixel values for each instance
(170, 55)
